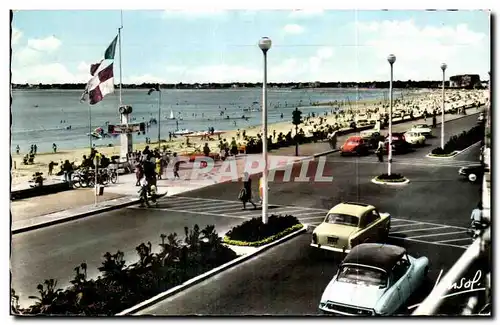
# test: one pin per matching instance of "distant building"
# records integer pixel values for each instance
(467, 81)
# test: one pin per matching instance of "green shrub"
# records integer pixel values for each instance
(397, 178)
(462, 141)
(263, 241)
(254, 230)
(121, 287)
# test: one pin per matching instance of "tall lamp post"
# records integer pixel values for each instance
(159, 117)
(443, 67)
(391, 58)
(264, 44)
(157, 88)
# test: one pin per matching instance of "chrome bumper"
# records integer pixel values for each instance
(329, 248)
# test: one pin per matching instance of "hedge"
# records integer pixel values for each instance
(263, 241)
(461, 141)
(254, 231)
(121, 287)
(393, 178)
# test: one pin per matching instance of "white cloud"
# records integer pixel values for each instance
(16, 35)
(48, 44)
(47, 73)
(325, 52)
(293, 29)
(306, 13)
(420, 50)
(26, 56)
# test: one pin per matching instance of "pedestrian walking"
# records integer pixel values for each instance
(54, 147)
(380, 151)
(246, 192)
(68, 171)
(176, 162)
(35, 148)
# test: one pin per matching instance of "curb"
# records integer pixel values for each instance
(77, 216)
(452, 155)
(375, 181)
(191, 282)
(455, 153)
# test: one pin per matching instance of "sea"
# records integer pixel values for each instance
(44, 117)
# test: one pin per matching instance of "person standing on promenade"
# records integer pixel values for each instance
(246, 192)
(234, 147)
(380, 151)
(54, 147)
(35, 148)
(176, 162)
(68, 171)
(18, 149)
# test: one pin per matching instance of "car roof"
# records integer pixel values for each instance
(421, 125)
(351, 208)
(382, 256)
(354, 137)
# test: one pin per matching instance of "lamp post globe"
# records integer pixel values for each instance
(443, 66)
(265, 44)
(391, 58)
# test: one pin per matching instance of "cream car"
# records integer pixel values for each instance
(349, 224)
(415, 138)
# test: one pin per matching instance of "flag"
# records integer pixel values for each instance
(101, 84)
(102, 81)
(155, 88)
(110, 51)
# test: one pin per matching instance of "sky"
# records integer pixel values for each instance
(173, 46)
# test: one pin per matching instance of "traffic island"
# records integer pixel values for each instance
(393, 179)
(458, 143)
(254, 233)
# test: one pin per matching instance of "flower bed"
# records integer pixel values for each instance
(121, 287)
(393, 178)
(460, 142)
(254, 233)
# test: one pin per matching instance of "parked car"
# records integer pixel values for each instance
(349, 224)
(399, 143)
(474, 172)
(374, 279)
(372, 138)
(354, 145)
(415, 138)
(425, 129)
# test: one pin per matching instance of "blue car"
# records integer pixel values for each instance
(374, 279)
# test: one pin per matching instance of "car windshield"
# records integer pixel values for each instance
(362, 275)
(421, 126)
(342, 219)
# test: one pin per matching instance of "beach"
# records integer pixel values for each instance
(369, 109)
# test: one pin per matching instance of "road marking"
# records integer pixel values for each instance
(451, 240)
(412, 230)
(441, 234)
(426, 242)
(229, 209)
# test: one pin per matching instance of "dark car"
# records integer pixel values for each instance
(355, 145)
(373, 139)
(399, 143)
(474, 173)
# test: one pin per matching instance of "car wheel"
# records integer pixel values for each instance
(472, 177)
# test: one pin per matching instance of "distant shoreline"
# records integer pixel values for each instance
(244, 85)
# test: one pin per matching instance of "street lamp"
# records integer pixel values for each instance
(157, 88)
(264, 44)
(391, 59)
(443, 67)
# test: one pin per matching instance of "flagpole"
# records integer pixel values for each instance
(90, 125)
(120, 53)
(159, 117)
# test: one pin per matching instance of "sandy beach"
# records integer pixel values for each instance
(418, 101)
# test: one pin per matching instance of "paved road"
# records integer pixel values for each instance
(55, 251)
